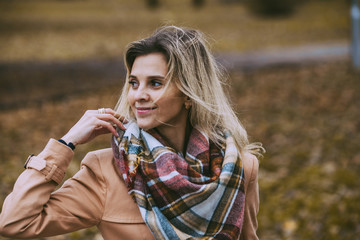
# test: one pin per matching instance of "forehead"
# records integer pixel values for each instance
(150, 64)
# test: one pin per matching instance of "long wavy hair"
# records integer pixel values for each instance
(195, 72)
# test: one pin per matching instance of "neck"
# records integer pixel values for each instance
(176, 136)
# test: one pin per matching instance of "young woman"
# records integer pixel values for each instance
(180, 166)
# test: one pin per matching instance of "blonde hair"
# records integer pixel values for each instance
(198, 76)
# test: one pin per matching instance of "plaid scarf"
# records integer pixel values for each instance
(200, 196)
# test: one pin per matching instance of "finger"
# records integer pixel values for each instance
(102, 110)
(102, 131)
(110, 111)
(111, 118)
(121, 118)
(105, 127)
(115, 114)
(105, 111)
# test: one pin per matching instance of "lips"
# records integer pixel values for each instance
(144, 110)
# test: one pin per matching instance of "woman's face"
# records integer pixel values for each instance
(152, 105)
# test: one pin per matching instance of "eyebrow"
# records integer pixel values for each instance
(150, 77)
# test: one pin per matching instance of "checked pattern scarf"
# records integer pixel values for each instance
(199, 196)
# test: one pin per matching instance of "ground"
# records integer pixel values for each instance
(306, 114)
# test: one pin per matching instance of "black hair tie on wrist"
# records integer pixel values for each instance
(70, 144)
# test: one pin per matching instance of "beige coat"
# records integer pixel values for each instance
(95, 195)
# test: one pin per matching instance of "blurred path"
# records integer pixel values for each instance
(285, 56)
(24, 83)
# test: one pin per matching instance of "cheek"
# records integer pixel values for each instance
(130, 98)
(174, 106)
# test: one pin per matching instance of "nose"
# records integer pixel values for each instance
(141, 94)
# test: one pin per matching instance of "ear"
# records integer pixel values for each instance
(187, 103)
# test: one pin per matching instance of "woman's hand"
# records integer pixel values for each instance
(92, 124)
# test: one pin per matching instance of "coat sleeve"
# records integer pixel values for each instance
(250, 224)
(33, 209)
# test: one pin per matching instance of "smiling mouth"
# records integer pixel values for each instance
(144, 110)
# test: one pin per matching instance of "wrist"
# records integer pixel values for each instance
(69, 144)
(69, 138)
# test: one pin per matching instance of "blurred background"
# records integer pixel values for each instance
(291, 80)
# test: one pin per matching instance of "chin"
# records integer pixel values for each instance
(145, 126)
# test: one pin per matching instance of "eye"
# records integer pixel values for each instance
(133, 83)
(156, 83)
